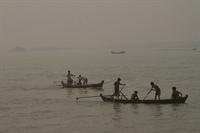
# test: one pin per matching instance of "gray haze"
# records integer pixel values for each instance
(97, 23)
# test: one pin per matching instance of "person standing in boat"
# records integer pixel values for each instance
(157, 90)
(69, 77)
(116, 87)
(176, 94)
(134, 96)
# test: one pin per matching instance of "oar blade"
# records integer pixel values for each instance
(77, 98)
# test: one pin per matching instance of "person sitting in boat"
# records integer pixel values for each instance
(116, 88)
(85, 80)
(134, 96)
(79, 80)
(69, 77)
(82, 80)
(157, 90)
(175, 94)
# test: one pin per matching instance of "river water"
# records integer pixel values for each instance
(30, 101)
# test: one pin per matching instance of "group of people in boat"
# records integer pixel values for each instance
(154, 87)
(80, 79)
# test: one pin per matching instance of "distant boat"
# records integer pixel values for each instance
(47, 48)
(19, 49)
(194, 49)
(96, 85)
(117, 52)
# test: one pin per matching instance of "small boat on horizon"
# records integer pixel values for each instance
(117, 52)
(194, 49)
(18, 49)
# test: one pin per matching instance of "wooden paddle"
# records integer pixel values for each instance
(77, 98)
(150, 90)
(147, 94)
(123, 93)
(86, 97)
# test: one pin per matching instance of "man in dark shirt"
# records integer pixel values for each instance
(116, 88)
(134, 96)
(69, 77)
(176, 94)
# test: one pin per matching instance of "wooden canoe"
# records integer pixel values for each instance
(97, 85)
(161, 101)
(117, 52)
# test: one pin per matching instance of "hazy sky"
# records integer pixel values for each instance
(86, 23)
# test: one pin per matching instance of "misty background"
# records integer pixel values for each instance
(97, 23)
(162, 44)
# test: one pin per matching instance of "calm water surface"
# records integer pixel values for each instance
(30, 101)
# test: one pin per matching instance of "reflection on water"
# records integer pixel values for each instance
(135, 108)
(117, 115)
(117, 111)
(157, 110)
(69, 92)
(177, 111)
(117, 108)
(175, 107)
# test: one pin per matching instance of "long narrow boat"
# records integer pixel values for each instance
(162, 101)
(117, 52)
(97, 85)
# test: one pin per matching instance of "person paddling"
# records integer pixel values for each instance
(175, 94)
(69, 78)
(157, 90)
(116, 87)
